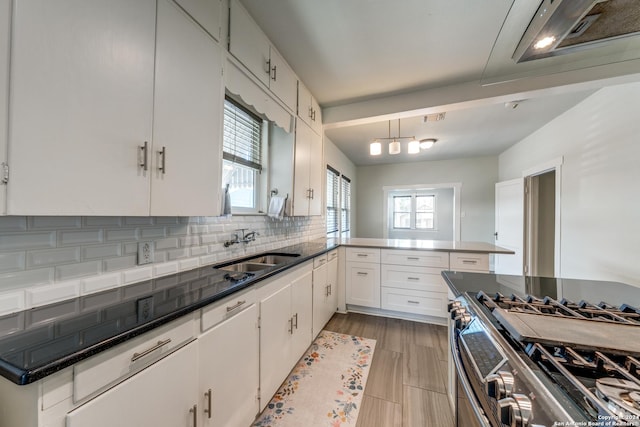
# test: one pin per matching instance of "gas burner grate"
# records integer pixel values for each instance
(565, 308)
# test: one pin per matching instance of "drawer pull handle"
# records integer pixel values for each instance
(413, 302)
(158, 345)
(194, 411)
(413, 278)
(363, 255)
(208, 396)
(413, 258)
(291, 326)
(362, 273)
(236, 305)
(469, 261)
(295, 316)
(322, 261)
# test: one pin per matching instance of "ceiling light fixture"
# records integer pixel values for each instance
(375, 148)
(425, 144)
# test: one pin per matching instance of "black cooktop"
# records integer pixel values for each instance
(38, 342)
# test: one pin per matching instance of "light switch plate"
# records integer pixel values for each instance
(145, 253)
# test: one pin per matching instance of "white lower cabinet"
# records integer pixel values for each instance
(164, 394)
(285, 327)
(228, 370)
(325, 289)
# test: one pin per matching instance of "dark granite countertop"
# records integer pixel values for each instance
(38, 342)
(576, 290)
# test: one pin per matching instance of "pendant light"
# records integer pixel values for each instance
(375, 148)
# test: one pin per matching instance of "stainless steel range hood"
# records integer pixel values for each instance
(564, 26)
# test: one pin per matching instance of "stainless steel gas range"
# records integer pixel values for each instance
(531, 351)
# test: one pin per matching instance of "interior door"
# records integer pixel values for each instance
(510, 226)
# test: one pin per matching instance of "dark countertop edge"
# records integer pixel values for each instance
(21, 377)
(444, 274)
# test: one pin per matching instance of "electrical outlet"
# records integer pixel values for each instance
(145, 253)
(144, 309)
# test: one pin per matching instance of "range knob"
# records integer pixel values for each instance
(515, 411)
(462, 320)
(453, 305)
(499, 385)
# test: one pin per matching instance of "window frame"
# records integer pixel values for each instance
(413, 195)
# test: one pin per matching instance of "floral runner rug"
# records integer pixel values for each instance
(325, 388)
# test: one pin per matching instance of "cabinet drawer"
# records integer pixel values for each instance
(417, 258)
(363, 255)
(226, 308)
(332, 255)
(416, 302)
(469, 261)
(108, 367)
(416, 278)
(319, 261)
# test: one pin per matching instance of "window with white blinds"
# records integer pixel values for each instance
(345, 206)
(242, 155)
(333, 177)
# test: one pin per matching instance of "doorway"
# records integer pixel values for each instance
(540, 224)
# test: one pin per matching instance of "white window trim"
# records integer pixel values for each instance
(456, 186)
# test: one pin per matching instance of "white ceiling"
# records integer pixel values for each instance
(368, 61)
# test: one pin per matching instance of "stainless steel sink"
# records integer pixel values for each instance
(260, 263)
(247, 266)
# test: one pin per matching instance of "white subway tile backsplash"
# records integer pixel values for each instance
(100, 283)
(49, 294)
(103, 251)
(22, 279)
(94, 254)
(12, 261)
(80, 237)
(165, 268)
(74, 271)
(13, 223)
(25, 241)
(12, 302)
(40, 222)
(122, 234)
(52, 257)
(137, 275)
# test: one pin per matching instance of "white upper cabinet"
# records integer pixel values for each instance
(186, 166)
(81, 107)
(308, 109)
(207, 13)
(5, 32)
(249, 44)
(308, 172)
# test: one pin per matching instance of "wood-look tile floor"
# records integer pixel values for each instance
(407, 380)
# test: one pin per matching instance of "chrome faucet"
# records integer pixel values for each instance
(246, 238)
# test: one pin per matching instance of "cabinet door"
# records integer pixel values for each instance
(207, 13)
(228, 358)
(283, 83)
(302, 160)
(316, 116)
(162, 395)
(76, 130)
(187, 148)
(302, 312)
(332, 284)
(276, 327)
(320, 298)
(316, 174)
(248, 43)
(304, 103)
(363, 284)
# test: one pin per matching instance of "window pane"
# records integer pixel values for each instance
(345, 203)
(424, 203)
(242, 184)
(242, 136)
(332, 201)
(402, 204)
(401, 220)
(424, 220)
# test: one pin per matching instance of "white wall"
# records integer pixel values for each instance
(337, 160)
(599, 140)
(477, 176)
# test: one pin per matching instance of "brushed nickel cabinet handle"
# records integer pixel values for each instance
(208, 396)
(194, 411)
(236, 305)
(413, 278)
(362, 255)
(291, 326)
(413, 302)
(295, 316)
(163, 164)
(469, 261)
(275, 70)
(362, 273)
(413, 258)
(159, 344)
(145, 156)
